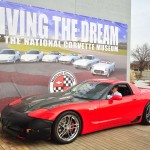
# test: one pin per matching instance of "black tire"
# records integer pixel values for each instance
(14, 60)
(89, 67)
(72, 61)
(57, 60)
(146, 115)
(108, 75)
(56, 127)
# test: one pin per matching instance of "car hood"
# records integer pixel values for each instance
(29, 56)
(66, 57)
(32, 103)
(6, 56)
(50, 56)
(101, 65)
(83, 62)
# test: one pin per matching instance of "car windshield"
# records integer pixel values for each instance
(88, 57)
(7, 52)
(90, 90)
(105, 62)
(54, 53)
(33, 52)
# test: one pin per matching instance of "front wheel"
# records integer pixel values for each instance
(146, 115)
(66, 128)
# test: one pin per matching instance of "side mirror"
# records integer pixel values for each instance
(116, 97)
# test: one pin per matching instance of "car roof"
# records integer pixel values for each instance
(107, 81)
(7, 49)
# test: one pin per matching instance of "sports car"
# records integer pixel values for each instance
(79, 110)
(87, 62)
(32, 56)
(9, 55)
(52, 57)
(103, 68)
(69, 59)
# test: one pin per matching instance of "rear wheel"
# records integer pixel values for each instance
(108, 74)
(37, 59)
(14, 60)
(72, 61)
(66, 128)
(89, 67)
(146, 115)
(56, 60)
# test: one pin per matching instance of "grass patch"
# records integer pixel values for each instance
(25, 48)
(120, 52)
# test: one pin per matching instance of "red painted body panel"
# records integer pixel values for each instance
(101, 114)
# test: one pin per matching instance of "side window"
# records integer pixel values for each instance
(124, 89)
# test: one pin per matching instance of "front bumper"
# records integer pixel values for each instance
(99, 72)
(20, 125)
(65, 62)
(48, 60)
(80, 66)
(6, 61)
(28, 60)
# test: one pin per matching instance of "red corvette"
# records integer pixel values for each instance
(82, 109)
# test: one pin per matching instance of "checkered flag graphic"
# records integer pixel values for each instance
(58, 89)
(67, 81)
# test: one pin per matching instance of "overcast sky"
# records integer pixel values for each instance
(140, 22)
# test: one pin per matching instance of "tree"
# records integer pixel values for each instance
(142, 55)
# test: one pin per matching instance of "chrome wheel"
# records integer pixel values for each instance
(68, 127)
(148, 113)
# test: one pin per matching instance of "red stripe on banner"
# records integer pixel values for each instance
(40, 80)
(6, 101)
(24, 79)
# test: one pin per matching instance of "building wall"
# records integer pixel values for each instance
(113, 10)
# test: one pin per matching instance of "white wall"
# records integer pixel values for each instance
(114, 10)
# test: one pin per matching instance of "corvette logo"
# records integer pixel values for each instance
(61, 81)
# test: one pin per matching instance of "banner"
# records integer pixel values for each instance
(31, 38)
(36, 26)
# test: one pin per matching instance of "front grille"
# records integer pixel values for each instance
(63, 61)
(99, 71)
